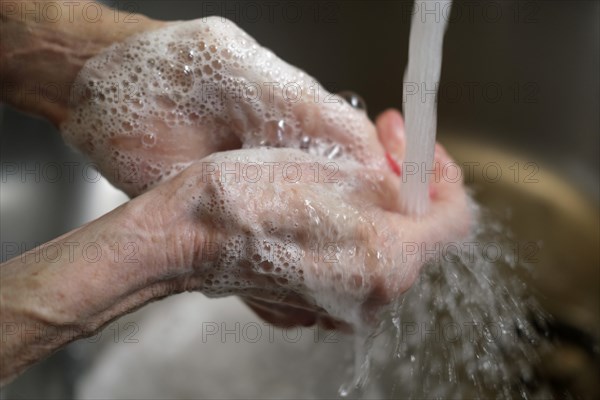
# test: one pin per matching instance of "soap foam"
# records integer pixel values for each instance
(262, 244)
(202, 82)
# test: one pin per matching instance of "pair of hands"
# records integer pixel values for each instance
(289, 202)
(298, 235)
(306, 231)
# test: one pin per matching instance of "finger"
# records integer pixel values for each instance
(445, 174)
(449, 201)
(331, 324)
(390, 130)
(282, 316)
(339, 125)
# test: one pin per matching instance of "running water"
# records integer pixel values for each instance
(420, 103)
(469, 327)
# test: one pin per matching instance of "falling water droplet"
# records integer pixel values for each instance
(277, 131)
(354, 100)
(334, 151)
(280, 130)
(343, 392)
(305, 142)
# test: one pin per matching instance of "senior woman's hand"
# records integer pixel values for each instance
(289, 231)
(147, 107)
(303, 222)
(304, 240)
(145, 98)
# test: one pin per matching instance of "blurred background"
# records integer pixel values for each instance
(520, 81)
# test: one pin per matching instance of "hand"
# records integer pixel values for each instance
(163, 138)
(339, 238)
(300, 249)
(146, 108)
(331, 247)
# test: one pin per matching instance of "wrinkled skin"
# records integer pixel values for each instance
(366, 268)
(346, 230)
(360, 218)
(235, 122)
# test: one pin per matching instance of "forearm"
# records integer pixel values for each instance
(45, 44)
(73, 286)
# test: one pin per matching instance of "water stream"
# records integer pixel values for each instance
(469, 328)
(420, 103)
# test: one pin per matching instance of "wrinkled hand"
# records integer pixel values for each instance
(156, 103)
(301, 244)
(300, 217)
(146, 108)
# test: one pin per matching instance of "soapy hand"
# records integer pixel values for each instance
(272, 189)
(147, 107)
(304, 239)
(151, 106)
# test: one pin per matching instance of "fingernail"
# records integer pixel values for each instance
(393, 164)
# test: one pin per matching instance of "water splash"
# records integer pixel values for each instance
(469, 328)
(354, 100)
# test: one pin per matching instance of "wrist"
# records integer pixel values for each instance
(46, 43)
(71, 287)
(74, 280)
(120, 258)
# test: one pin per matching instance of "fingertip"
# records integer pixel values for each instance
(440, 152)
(392, 118)
(392, 113)
(390, 130)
